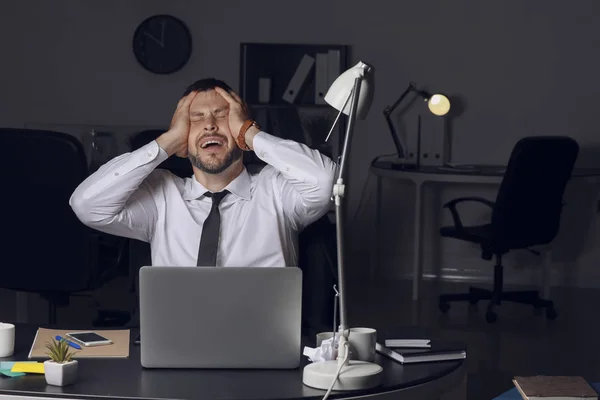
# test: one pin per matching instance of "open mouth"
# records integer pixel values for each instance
(212, 143)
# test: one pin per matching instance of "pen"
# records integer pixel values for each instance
(75, 345)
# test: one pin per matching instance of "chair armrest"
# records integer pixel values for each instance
(451, 205)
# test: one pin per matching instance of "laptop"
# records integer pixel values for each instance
(226, 317)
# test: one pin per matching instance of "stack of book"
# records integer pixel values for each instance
(408, 351)
(554, 388)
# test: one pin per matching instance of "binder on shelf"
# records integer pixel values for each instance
(295, 84)
(334, 66)
(321, 77)
(264, 90)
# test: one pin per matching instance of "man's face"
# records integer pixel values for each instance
(211, 147)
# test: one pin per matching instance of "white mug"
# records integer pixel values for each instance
(7, 339)
(363, 342)
(323, 336)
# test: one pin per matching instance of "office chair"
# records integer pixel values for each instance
(46, 249)
(318, 262)
(526, 213)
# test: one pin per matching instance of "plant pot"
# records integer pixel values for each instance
(59, 374)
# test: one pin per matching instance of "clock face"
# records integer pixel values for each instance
(162, 44)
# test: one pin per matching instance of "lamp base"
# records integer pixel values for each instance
(356, 375)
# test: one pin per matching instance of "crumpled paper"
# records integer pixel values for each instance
(326, 352)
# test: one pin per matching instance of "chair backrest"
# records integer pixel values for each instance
(318, 261)
(530, 199)
(45, 245)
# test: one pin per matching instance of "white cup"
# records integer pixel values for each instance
(363, 342)
(323, 336)
(7, 339)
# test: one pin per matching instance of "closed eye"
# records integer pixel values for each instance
(221, 112)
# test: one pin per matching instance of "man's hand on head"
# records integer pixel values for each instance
(175, 140)
(237, 111)
(238, 114)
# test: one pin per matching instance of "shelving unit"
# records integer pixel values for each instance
(266, 70)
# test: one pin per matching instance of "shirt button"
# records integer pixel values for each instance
(116, 174)
(149, 154)
(287, 169)
(263, 154)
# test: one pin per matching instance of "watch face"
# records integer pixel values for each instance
(162, 44)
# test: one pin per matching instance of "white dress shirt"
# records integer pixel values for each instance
(260, 217)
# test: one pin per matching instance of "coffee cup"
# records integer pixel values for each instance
(7, 339)
(363, 343)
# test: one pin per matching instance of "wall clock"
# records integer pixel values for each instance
(162, 44)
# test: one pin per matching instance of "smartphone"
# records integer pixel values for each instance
(89, 338)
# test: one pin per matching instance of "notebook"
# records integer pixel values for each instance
(554, 388)
(119, 348)
(439, 351)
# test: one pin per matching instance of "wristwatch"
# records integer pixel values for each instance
(241, 139)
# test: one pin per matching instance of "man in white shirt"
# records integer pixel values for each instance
(257, 219)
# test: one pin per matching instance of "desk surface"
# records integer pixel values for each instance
(125, 378)
(386, 167)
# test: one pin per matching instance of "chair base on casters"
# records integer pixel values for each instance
(475, 294)
(497, 295)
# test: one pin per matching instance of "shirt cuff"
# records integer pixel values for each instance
(264, 143)
(153, 150)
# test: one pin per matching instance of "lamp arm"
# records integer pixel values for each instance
(338, 193)
(389, 109)
(400, 149)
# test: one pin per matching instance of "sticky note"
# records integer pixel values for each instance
(9, 373)
(9, 364)
(33, 368)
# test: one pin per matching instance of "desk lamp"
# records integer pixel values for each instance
(352, 94)
(438, 104)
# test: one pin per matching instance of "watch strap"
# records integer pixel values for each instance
(241, 138)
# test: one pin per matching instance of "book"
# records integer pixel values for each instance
(119, 348)
(437, 352)
(421, 343)
(542, 387)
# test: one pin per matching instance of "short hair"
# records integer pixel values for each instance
(205, 84)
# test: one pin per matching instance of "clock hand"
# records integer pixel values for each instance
(162, 32)
(160, 43)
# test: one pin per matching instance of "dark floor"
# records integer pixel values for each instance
(519, 343)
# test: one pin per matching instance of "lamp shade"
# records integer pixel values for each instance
(340, 90)
(438, 104)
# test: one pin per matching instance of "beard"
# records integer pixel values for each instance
(214, 165)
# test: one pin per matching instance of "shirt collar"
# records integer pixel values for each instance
(240, 187)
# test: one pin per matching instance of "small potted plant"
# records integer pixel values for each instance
(61, 369)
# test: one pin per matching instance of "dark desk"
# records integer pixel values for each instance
(125, 378)
(427, 174)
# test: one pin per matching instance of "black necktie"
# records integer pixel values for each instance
(209, 242)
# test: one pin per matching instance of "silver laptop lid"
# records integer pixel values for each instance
(226, 317)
